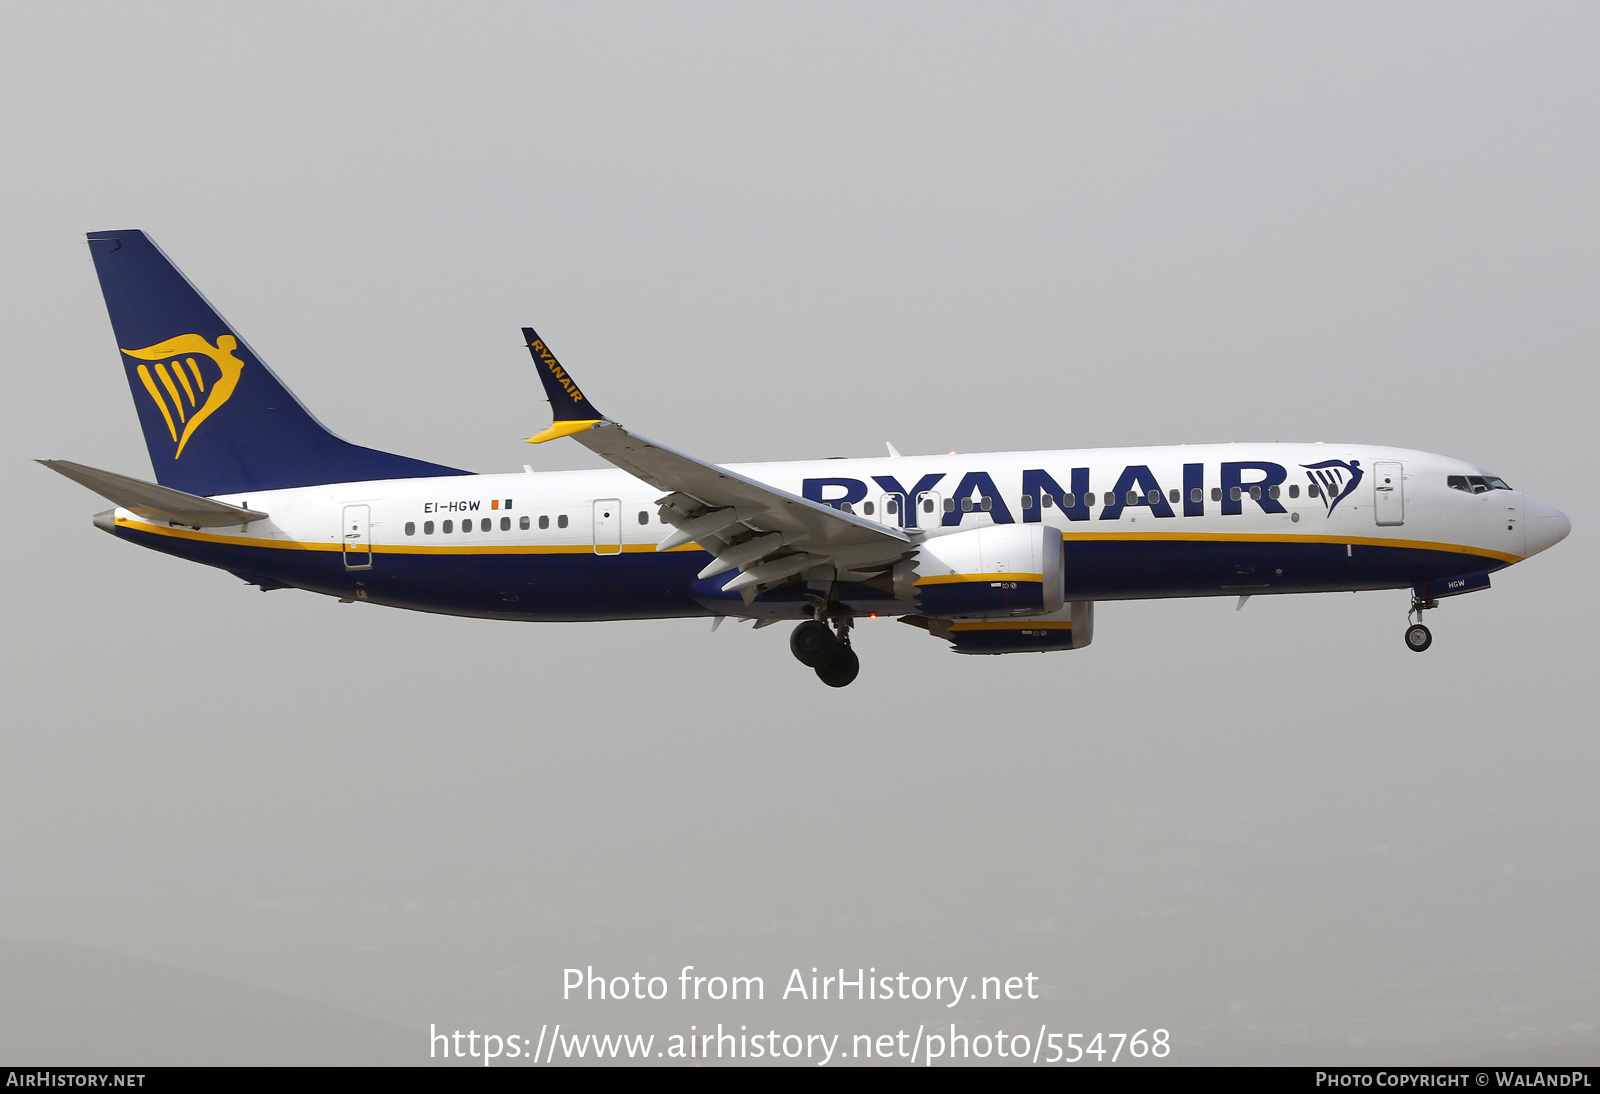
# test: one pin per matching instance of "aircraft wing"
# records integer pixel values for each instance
(769, 535)
(153, 502)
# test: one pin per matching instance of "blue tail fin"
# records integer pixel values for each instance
(215, 418)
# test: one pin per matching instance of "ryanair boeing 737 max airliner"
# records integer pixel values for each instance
(1000, 552)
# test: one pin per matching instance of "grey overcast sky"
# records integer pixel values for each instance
(240, 827)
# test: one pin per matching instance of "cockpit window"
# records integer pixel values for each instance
(1476, 484)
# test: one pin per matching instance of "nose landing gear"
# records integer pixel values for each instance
(816, 647)
(1418, 637)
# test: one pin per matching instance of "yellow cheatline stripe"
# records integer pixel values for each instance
(183, 380)
(172, 390)
(955, 579)
(639, 548)
(207, 537)
(150, 386)
(1013, 624)
(1269, 537)
(393, 549)
(199, 381)
(522, 549)
(564, 429)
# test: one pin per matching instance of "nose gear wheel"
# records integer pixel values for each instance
(1418, 637)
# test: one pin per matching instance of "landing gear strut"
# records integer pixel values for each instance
(818, 648)
(1418, 637)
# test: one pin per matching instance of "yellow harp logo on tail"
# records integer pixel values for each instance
(189, 397)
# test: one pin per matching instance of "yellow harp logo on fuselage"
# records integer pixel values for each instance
(192, 398)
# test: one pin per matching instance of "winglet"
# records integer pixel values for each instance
(572, 413)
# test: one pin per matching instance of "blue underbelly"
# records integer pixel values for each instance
(1145, 569)
(580, 585)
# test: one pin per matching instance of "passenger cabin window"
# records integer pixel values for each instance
(1153, 497)
(988, 504)
(1294, 491)
(891, 507)
(1476, 484)
(561, 521)
(1234, 494)
(1255, 493)
(544, 522)
(411, 527)
(427, 527)
(1313, 491)
(448, 527)
(523, 523)
(505, 524)
(644, 517)
(1172, 496)
(1273, 492)
(846, 507)
(1027, 501)
(1216, 493)
(1045, 500)
(1195, 495)
(485, 524)
(1088, 499)
(866, 508)
(950, 504)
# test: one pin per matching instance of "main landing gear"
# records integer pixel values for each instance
(817, 647)
(1418, 637)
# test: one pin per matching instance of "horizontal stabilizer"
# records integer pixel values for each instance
(146, 499)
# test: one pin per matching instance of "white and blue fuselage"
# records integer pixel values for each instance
(1134, 523)
(999, 552)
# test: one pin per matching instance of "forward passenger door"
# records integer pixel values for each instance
(1388, 493)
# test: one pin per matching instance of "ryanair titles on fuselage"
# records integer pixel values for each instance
(1233, 484)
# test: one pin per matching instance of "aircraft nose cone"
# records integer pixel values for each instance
(1546, 525)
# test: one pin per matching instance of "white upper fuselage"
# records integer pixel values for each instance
(525, 511)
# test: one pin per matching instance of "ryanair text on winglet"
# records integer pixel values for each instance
(556, 370)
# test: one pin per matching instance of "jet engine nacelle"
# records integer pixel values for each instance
(1000, 572)
(1072, 628)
